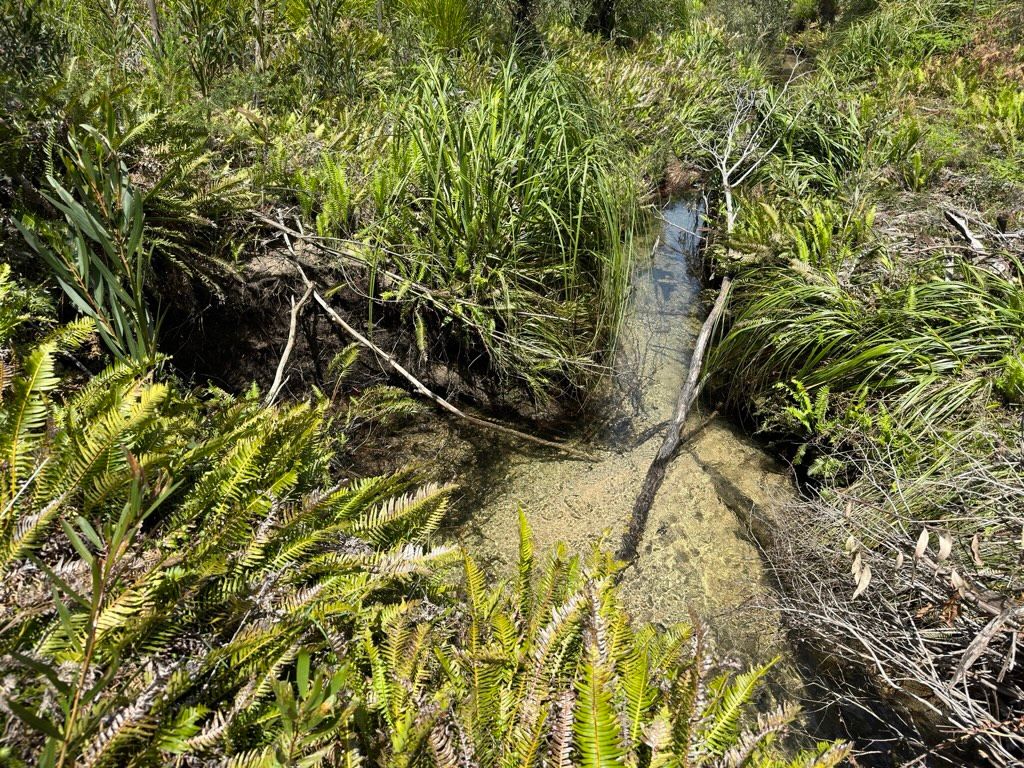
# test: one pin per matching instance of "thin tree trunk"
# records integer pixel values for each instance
(154, 23)
(257, 17)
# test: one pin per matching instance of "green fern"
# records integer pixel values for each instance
(598, 732)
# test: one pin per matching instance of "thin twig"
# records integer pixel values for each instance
(275, 388)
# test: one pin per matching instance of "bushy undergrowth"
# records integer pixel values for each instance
(196, 577)
(189, 579)
(490, 183)
(875, 327)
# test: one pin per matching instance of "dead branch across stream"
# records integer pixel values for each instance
(423, 390)
(630, 545)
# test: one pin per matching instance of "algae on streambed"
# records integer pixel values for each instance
(695, 561)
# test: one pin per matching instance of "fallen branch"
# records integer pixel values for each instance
(737, 154)
(275, 388)
(422, 389)
(673, 439)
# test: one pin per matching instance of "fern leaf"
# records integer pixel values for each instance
(25, 416)
(598, 733)
(524, 571)
(722, 716)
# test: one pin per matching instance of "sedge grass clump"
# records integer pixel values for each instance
(660, 91)
(897, 33)
(506, 210)
(98, 256)
(443, 25)
(933, 347)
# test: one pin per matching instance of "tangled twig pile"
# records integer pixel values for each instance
(933, 611)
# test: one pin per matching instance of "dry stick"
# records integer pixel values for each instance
(959, 221)
(275, 388)
(384, 276)
(656, 472)
(288, 233)
(423, 390)
(154, 23)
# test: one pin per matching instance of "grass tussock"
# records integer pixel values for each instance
(513, 218)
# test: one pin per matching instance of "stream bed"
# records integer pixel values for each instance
(695, 560)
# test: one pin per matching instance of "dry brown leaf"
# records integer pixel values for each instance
(862, 581)
(922, 544)
(976, 551)
(945, 546)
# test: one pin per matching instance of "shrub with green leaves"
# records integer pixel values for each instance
(99, 257)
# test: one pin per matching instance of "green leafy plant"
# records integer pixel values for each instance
(330, 58)
(1011, 382)
(1002, 113)
(18, 306)
(444, 25)
(30, 40)
(209, 31)
(239, 552)
(549, 670)
(100, 259)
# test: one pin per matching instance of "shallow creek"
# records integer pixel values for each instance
(695, 558)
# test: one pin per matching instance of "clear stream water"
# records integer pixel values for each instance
(695, 559)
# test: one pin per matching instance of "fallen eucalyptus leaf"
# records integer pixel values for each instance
(922, 544)
(863, 581)
(945, 546)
